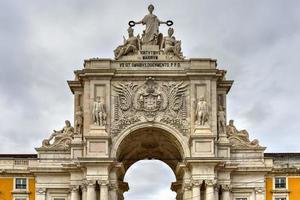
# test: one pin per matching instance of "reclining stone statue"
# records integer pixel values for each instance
(61, 138)
(242, 135)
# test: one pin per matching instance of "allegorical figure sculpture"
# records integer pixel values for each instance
(59, 136)
(131, 45)
(99, 114)
(202, 113)
(151, 33)
(171, 45)
(79, 121)
(232, 131)
(221, 120)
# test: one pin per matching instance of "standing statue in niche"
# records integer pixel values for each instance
(202, 112)
(171, 45)
(99, 114)
(79, 121)
(131, 45)
(151, 35)
(221, 120)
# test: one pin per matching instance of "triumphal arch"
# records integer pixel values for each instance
(150, 102)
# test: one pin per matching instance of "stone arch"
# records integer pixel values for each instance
(150, 141)
(182, 140)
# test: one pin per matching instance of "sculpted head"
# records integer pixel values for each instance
(170, 32)
(201, 98)
(98, 99)
(231, 122)
(150, 8)
(68, 123)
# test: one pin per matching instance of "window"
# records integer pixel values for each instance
(280, 182)
(20, 198)
(59, 198)
(21, 183)
(280, 198)
(240, 198)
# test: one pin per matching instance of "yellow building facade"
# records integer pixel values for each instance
(16, 181)
(283, 183)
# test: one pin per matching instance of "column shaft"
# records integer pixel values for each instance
(84, 193)
(103, 192)
(209, 192)
(196, 192)
(40, 194)
(75, 194)
(91, 193)
(226, 195)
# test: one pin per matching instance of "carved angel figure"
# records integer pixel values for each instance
(99, 114)
(66, 132)
(131, 45)
(171, 45)
(202, 112)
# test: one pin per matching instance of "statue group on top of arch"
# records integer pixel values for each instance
(151, 36)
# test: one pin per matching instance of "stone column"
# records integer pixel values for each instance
(75, 192)
(209, 190)
(196, 190)
(113, 191)
(103, 190)
(216, 190)
(260, 194)
(83, 191)
(187, 191)
(40, 194)
(226, 192)
(91, 193)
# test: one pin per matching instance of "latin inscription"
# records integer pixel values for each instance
(150, 64)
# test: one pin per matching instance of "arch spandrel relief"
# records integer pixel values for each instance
(150, 101)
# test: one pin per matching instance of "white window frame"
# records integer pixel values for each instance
(15, 184)
(286, 196)
(20, 196)
(286, 183)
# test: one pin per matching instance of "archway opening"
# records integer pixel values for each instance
(149, 180)
(150, 153)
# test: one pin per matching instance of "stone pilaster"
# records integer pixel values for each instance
(84, 191)
(226, 192)
(75, 192)
(216, 191)
(40, 194)
(196, 190)
(259, 194)
(91, 193)
(103, 190)
(209, 190)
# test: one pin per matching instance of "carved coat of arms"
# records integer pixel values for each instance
(151, 101)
